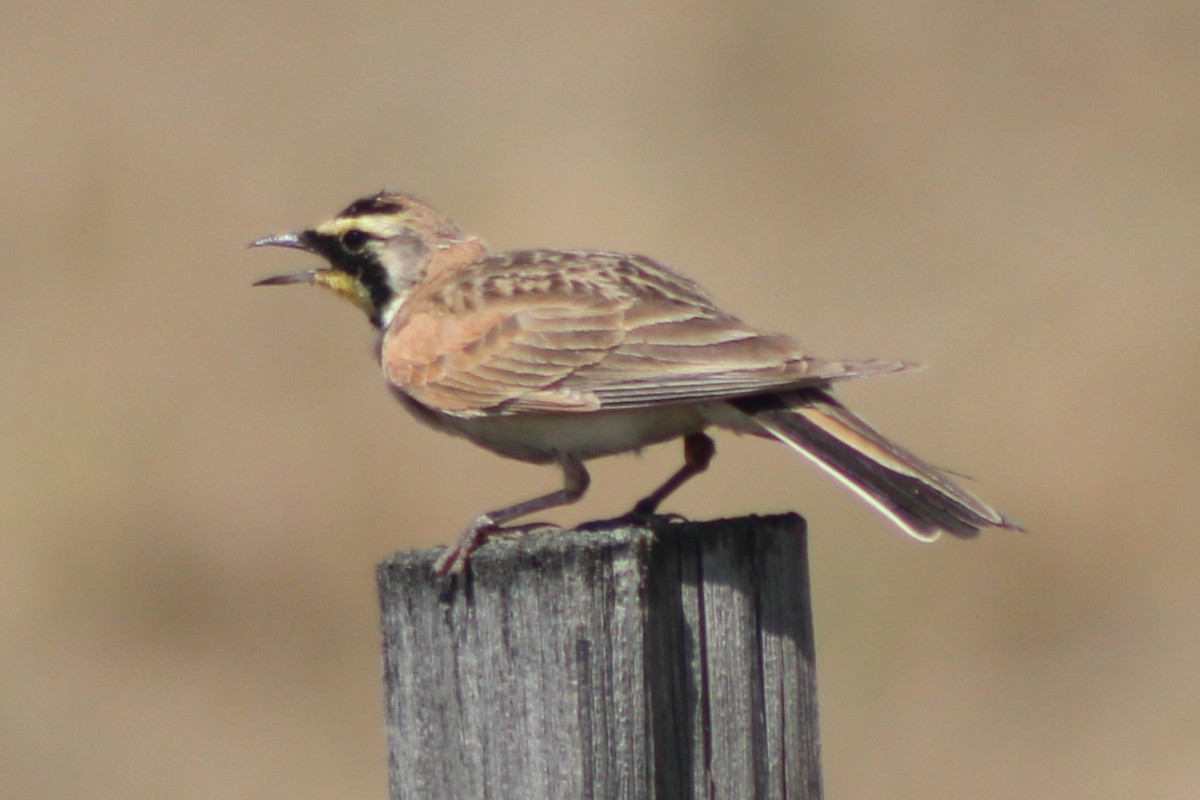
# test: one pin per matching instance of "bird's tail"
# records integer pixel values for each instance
(919, 498)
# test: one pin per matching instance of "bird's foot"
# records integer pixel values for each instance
(636, 516)
(457, 557)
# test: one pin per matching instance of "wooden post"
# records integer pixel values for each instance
(673, 662)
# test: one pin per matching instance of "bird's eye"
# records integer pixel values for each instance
(354, 239)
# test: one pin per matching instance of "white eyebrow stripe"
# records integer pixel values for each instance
(378, 225)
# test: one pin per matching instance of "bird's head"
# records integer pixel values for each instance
(377, 249)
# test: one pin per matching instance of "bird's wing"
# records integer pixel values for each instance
(671, 354)
(481, 361)
(572, 346)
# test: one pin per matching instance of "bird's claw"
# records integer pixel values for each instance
(457, 557)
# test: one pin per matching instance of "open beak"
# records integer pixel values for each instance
(307, 276)
(294, 241)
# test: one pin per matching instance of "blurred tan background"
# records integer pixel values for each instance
(197, 478)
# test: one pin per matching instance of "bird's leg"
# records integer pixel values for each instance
(698, 451)
(575, 483)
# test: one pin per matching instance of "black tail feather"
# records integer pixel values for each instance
(918, 497)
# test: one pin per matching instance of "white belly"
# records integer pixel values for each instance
(543, 437)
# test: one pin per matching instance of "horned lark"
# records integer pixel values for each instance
(560, 356)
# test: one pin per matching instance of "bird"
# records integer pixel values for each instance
(553, 356)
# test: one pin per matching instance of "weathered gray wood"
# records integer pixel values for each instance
(613, 663)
